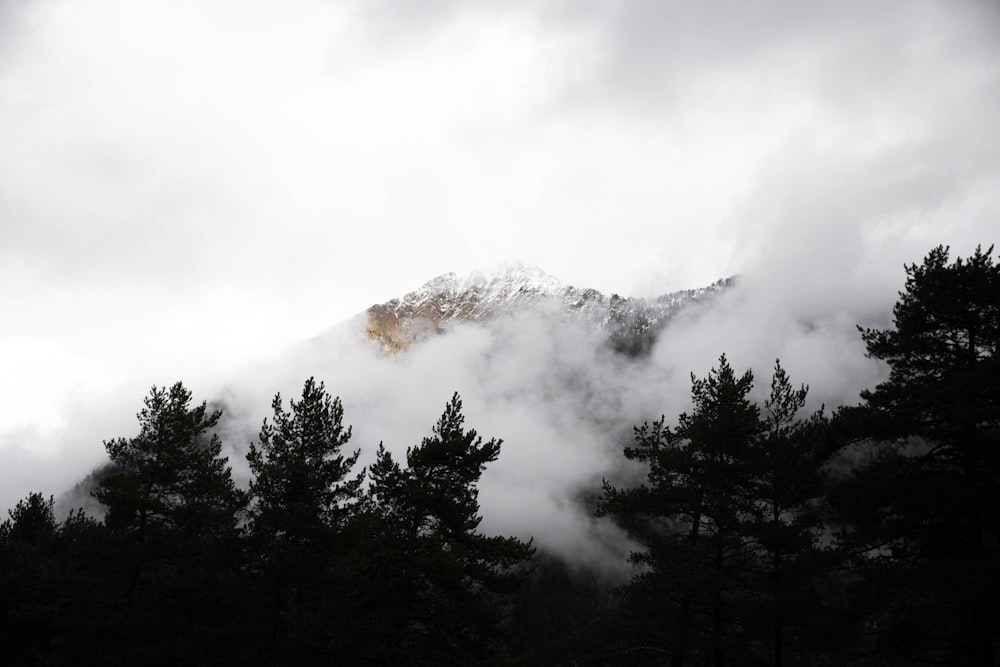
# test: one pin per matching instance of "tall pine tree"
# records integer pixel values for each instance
(304, 492)
(688, 519)
(449, 580)
(782, 523)
(929, 525)
(727, 522)
(174, 511)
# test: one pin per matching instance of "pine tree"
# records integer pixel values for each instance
(782, 526)
(304, 494)
(927, 518)
(32, 520)
(174, 512)
(301, 483)
(449, 579)
(172, 475)
(27, 573)
(688, 518)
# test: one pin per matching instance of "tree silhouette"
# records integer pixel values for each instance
(924, 512)
(172, 475)
(303, 494)
(727, 522)
(27, 574)
(449, 579)
(174, 512)
(688, 517)
(783, 523)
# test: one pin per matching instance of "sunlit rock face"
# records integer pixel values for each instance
(631, 323)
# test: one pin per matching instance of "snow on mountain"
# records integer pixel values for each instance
(631, 322)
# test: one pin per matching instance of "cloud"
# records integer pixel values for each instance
(188, 188)
(562, 401)
(552, 393)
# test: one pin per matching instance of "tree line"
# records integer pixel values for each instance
(869, 536)
(306, 566)
(764, 535)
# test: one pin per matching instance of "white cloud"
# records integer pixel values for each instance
(187, 187)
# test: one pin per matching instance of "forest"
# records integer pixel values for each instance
(866, 535)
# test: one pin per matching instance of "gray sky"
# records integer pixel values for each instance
(186, 187)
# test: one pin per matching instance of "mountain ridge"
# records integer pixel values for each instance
(630, 322)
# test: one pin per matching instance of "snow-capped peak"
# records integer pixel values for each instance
(511, 287)
(508, 280)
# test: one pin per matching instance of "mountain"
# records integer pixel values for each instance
(632, 323)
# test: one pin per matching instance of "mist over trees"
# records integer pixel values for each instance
(764, 534)
(727, 503)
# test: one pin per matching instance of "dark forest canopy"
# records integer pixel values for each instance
(763, 535)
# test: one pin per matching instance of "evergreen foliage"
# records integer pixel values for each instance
(27, 609)
(303, 495)
(687, 518)
(448, 578)
(725, 523)
(172, 475)
(923, 516)
(301, 486)
(174, 512)
(783, 524)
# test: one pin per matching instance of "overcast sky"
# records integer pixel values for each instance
(186, 187)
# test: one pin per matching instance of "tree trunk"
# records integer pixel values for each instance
(717, 654)
(778, 619)
(680, 644)
(981, 646)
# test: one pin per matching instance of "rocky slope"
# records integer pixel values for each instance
(631, 323)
